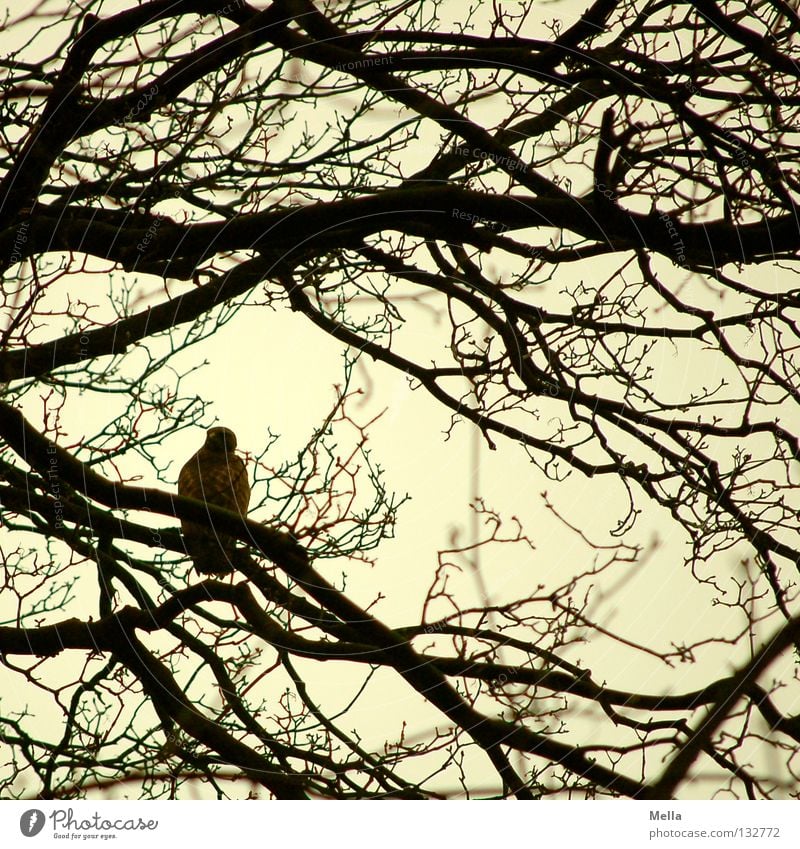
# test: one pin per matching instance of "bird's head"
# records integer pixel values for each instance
(221, 440)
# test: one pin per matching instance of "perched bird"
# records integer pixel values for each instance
(217, 476)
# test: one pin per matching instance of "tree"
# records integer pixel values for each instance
(577, 237)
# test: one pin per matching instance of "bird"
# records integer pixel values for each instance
(216, 476)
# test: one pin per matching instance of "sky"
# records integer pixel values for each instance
(271, 372)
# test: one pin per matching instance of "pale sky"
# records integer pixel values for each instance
(271, 370)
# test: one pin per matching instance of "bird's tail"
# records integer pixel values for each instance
(210, 556)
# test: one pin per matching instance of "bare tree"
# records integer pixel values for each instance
(599, 215)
